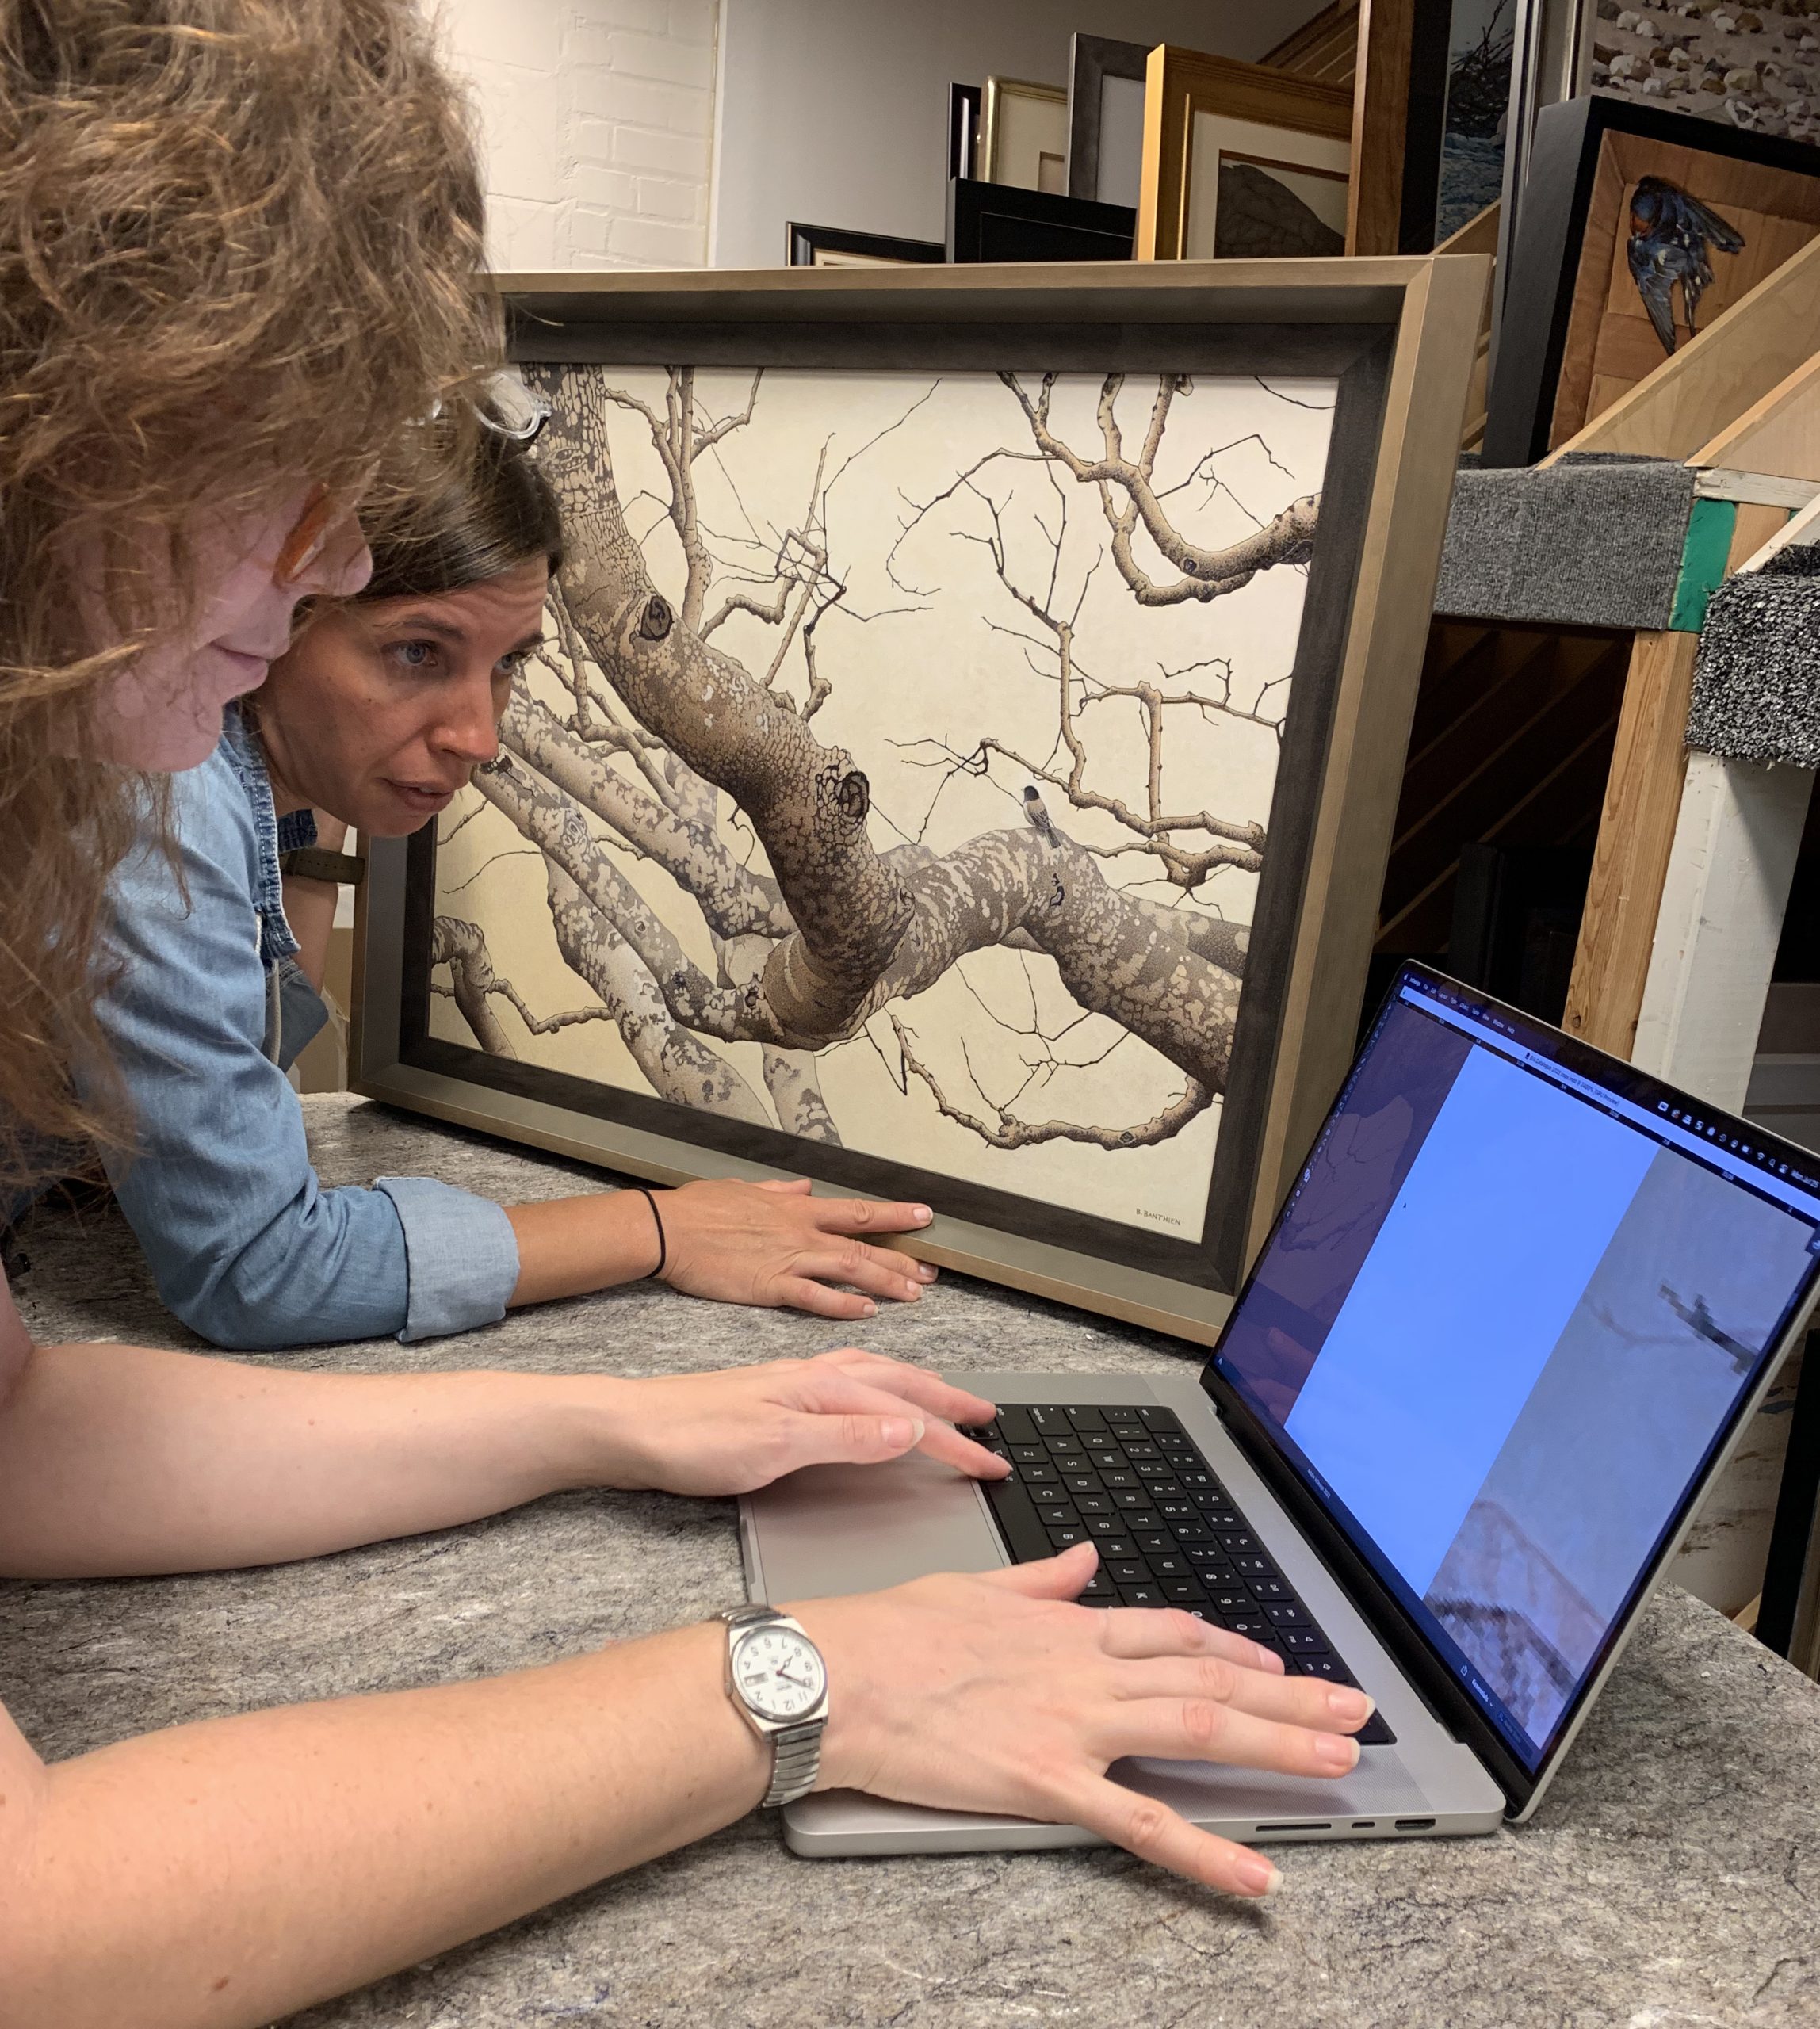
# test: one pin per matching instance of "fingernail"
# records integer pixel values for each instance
(912, 1291)
(1336, 1752)
(923, 1215)
(1345, 1703)
(869, 1309)
(900, 1433)
(926, 1269)
(1268, 1661)
(1258, 1876)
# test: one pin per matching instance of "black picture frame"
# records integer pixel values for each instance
(1093, 59)
(803, 242)
(997, 222)
(1549, 230)
(963, 128)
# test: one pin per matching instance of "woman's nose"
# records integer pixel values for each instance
(469, 730)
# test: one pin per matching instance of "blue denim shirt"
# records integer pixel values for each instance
(208, 1006)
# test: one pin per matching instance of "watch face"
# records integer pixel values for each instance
(779, 1672)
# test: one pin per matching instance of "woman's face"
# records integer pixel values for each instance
(382, 711)
(162, 711)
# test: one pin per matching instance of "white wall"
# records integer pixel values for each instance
(598, 123)
(834, 112)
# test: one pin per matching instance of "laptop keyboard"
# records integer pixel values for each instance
(1131, 1481)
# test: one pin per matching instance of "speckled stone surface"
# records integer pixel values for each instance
(1671, 1878)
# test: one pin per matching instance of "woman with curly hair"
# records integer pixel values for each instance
(237, 250)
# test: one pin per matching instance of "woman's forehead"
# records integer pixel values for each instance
(513, 602)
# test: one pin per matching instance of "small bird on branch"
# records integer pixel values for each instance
(1038, 815)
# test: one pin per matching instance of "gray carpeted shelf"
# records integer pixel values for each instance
(1594, 541)
(1757, 684)
(1601, 541)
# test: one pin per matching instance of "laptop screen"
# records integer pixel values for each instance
(1506, 1318)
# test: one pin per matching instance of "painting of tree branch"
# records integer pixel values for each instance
(897, 772)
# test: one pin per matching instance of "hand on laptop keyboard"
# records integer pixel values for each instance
(1130, 1481)
(992, 1692)
(728, 1433)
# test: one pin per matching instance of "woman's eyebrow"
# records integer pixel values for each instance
(534, 639)
(429, 623)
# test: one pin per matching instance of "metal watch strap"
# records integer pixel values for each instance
(796, 1762)
(796, 1751)
(314, 863)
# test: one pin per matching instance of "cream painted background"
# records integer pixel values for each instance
(914, 666)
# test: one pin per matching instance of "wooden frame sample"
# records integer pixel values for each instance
(812, 357)
(1269, 148)
(1583, 325)
(996, 222)
(834, 247)
(1024, 135)
(1095, 59)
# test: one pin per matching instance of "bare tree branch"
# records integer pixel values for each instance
(1288, 537)
(462, 947)
(1003, 1131)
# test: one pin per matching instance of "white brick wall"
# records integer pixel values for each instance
(599, 116)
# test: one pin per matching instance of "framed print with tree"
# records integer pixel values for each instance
(1638, 228)
(962, 760)
(834, 247)
(996, 222)
(1024, 135)
(1106, 119)
(1240, 162)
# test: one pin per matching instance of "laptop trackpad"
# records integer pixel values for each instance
(832, 1529)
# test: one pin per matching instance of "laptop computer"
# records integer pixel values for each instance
(1517, 1309)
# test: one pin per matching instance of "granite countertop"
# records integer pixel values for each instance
(1671, 1877)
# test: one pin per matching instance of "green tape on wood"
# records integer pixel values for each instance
(1704, 555)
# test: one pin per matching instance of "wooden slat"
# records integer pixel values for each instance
(1326, 47)
(1738, 359)
(1778, 435)
(1380, 126)
(1636, 835)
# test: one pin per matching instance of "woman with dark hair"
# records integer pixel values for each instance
(376, 717)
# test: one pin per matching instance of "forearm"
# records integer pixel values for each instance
(231, 1872)
(117, 1461)
(310, 905)
(569, 1247)
(310, 910)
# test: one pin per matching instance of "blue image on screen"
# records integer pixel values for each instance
(1499, 1330)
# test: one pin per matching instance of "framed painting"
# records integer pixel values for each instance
(834, 247)
(1106, 119)
(1638, 228)
(1757, 67)
(962, 760)
(997, 222)
(1024, 135)
(1240, 162)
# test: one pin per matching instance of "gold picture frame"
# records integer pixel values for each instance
(1024, 135)
(1274, 149)
(1392, 338)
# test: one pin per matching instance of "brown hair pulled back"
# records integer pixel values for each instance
(240, 243)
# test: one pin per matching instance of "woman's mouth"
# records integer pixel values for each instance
(423, 799)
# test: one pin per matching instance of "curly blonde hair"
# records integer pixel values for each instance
(240, 244)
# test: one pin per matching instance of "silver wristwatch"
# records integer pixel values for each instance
(776, 1677)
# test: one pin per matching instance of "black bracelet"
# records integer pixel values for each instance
(663, 1244)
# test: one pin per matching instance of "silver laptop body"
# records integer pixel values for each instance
(1453, 1769)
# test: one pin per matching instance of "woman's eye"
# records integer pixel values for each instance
(414, 655)
(508, 666)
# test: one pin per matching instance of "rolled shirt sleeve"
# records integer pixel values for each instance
(245, 1246)
(462, 1252)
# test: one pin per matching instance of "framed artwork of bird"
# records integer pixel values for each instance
(1637, 229)
(1673, 237)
